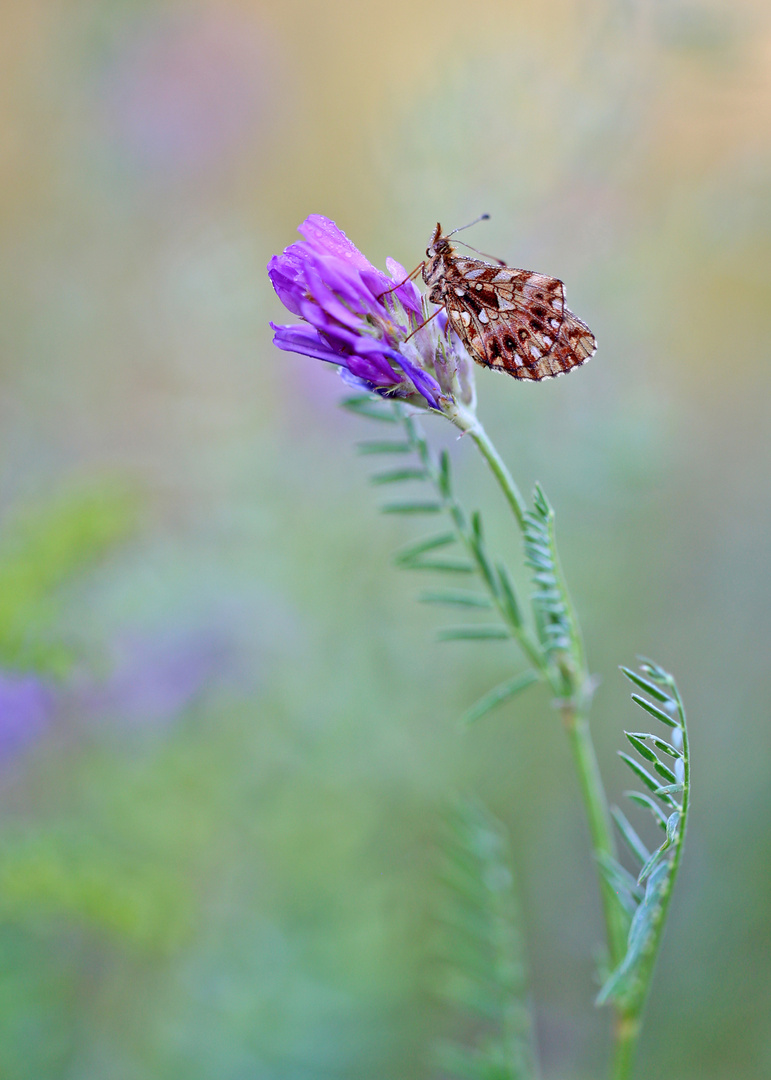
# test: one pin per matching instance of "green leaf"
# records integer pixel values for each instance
(483, 979)
(550, 603)
(444, 480)
(673, 822)
(412, 556)
(622, 985)
(545, 580)
(395, 476)
(412, 508)
(371, 406)
(498, 695)
(665, 747)
(658, 713)
(541, 503)
(460, 599)
(389, 447)
(648, 687)
(628, 984)
(410, 553)
(646, 801)
(625, 887)
(655, 672)
(662, 770)
(636, 739)
(634, 843)
(444, 566)
(508, 596)
(640, 772)
(474, 633)
(485, 567)
(658, 854)
(669, 789)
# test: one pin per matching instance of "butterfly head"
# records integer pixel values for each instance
(434, 268)
(439, 245)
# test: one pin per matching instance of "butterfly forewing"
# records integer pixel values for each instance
(510, 319)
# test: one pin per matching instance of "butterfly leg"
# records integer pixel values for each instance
(409, 277)
(425, 321)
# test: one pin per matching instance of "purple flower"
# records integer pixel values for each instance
(359, 318)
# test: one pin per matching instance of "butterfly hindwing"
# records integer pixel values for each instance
(574, 346)
(510, 319)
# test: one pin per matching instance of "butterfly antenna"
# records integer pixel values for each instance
(482, 217)
(494, 258)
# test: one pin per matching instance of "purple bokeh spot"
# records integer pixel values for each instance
(26, 711)
(156, 677)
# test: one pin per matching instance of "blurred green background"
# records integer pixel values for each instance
(226, 733)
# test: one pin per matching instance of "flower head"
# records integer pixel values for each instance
(367, 323)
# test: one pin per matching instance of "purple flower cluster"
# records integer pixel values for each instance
(359, 318)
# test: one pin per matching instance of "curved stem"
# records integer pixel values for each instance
(574, 713)
(519, 632)
(499, 470)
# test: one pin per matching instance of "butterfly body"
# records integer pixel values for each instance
(509, 319)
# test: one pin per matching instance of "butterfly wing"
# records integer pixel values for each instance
(573, 347)
(514, 320)
(507, 318)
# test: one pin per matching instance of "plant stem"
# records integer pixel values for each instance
(500, 472)
(625, 1036)
(416, 438)
(585, 759)
(574, 713)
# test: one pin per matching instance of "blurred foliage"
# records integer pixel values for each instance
(484, 978)
(44, 547)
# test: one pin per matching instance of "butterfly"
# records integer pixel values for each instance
(510, 320)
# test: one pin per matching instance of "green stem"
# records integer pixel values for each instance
(574, 708)
(626, 1034)
(598, 816)
(574, 713)
(529, 647)
(500, 472)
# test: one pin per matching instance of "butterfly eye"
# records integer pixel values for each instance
(430, 252)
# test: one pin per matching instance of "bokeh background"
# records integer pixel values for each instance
(227, 736)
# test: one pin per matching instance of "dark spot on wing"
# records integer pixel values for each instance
(523, 334)
(495, 349)
(539, 312)
(509, 343)
(536, 325)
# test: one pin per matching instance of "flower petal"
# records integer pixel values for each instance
(327, 300)
(424, 383)
(288, 289)
(304, 340)
(307, 341)
(408, 292)
(326, 238)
